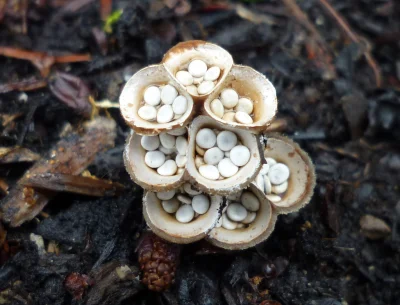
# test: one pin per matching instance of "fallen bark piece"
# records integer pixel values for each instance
(70, 156)
(17, 154)
(373, 227)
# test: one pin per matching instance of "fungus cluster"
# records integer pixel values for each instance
(200, 152)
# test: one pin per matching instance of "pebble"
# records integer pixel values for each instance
(227, 168)
(165, 150)
(154, 159)
(264, 169)
(197, 80)
(278, 173)
(229, 98)
(226, 140)
(206, 138)
(273, 198)
(152, 96)
(187, 187)
(200, 204)
(240, 155)
(199, 161)
(184, 77)
(217, 108)
(181, 145)
(236, 212)
(167, 140)
(180, 105)
(205, 87)
(251, 216)
(229, 117)
(177, 132)
(147, 112)
(197, 68)
(243, 118)
(212, 74)
(168, 94)
(245, 105)
(169, 168)
(209, 172)
(267, 185)
(165, 114)
(260, 182)
(280, 188)
(180, 160)
(170, 205)
(184, 199)
(165, 195)
(240, 226)
(150, 142)
(227, 223)
(192, 89)
(185, 213)
(213, 156)
(270, 161)
(250, 201)
(200, 150)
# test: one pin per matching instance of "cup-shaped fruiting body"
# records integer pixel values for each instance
(249, 235)
(246, 99)
(154, 116)
(203, 56)
(300, 184)
(228, 181)
(141, 160)
(167, 226)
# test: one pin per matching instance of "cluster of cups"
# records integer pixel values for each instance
(197, 149)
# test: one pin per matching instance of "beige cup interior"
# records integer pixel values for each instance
(179, 57)
(302, 176)
(241, 179)
(146, 177)
(131, 100)
(251, 84)
(166, 226)
(256, 232)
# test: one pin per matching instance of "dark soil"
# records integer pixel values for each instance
(329, 102)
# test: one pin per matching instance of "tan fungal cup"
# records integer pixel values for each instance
(132, 98)
(249, 83)
(166, 226)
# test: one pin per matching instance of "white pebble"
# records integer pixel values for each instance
(226, 140)
(150, 142)
(278, 173)
(184, 199)
(167, 140)
(227, 223)
(152, 96)
(243, 118)
(229, 117)
(200, 150)
(280, 188)
(229, 98)
(180, 160)
(227, 168)
(209, 171)
(147, 112)
(240, 155)
(213, 156)
(187, 187)
(200, 204)
(165, 195)
(270, 161)
(250, 201)
(180, 105)
(197, 68)
(192, 89)
(240, 226)
(199, 161)
(205, 87)
(165, 114)
(206, 138)
(185, 213)
(236, 212)
(181, 145)
(168, 94)
(273, 198)
(244, 105)
(251, 216)
(264, 169)
(267, 185)
(168, 168)
(171, 205)
(177, 132)
(197, 80)
(165, 150)
(184, 77)
(217, 108)
(154, 159)
(212, 74)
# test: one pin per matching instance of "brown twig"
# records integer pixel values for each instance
(355, 38)
(105, 8)
(23, 85)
